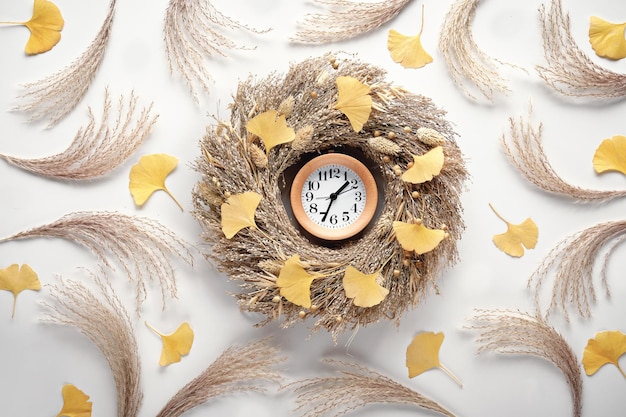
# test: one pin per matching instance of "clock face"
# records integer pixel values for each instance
(334, 196)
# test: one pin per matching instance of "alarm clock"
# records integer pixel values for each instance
(334, 196)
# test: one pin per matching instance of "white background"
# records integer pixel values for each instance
(37, 359)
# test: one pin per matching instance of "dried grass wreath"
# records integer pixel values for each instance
(401, 126)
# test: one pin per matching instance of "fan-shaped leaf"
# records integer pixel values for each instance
(611, 155)
(408, 50)
(417, 237)
(607, 347)
(238, 212)
(16, 279)
(363, 288)
(295, 282)
(45, 27)
(149, 176)
(422, 354)
(271, 128)
(175, 345)
(517, 236)
(75, 402)
(425, 167)
(607, 38)
(354, 100)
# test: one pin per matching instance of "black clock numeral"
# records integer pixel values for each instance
(358, 196)
(308, 196)
(313, 185)
(345, 217)
(354, 208)
(328, 174)
(354, 183)
(313, 208)
(333, 219)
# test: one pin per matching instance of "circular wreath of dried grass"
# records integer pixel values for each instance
(234, 161)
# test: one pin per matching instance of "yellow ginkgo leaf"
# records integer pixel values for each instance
(607, 38)
(408, 50)
(611, 155)
(148, 176)
(238, 212)
(363, 288)
(17, 279)
(75, 402)
(45, 27)
(605, 348)
(271, 128)
(354, 100)
(517, 236)
(425, 167)
(422, 354)
(175, 345)
(295, 282)
(417, 237)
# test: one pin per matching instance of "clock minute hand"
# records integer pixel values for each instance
(333, 197)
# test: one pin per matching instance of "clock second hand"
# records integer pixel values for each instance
(333, 197)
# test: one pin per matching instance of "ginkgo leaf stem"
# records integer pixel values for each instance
(422, 27)
(174, 198)
(15, 303)
(451, 375)
(498, 214)
(620, 369)
(153, 329)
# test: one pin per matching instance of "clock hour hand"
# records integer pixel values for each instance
(333, 197)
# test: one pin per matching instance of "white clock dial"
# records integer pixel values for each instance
(333, 196)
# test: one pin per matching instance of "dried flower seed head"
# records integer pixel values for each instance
(276, 299)
(415, 194)
(227, 194)
(313, 94)
(286, 107)
(322, 78)
(377, 133)
(303, 138)
(396, 273)
(386, 159)
(430, 136)
(406, 129)
(258, 156)
(313, 308)
(384, 146)
(391, 135)
(302, 314)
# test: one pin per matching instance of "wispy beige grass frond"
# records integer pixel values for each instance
(356, 387)
(194, 31)
(143, 247)
(524, 149)
(55, 96)
(519, 333)
(469, 66)
(568, 70)
(96, 149)
(103, 319)
(345, 19)
(238, 369)
(574, 258)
